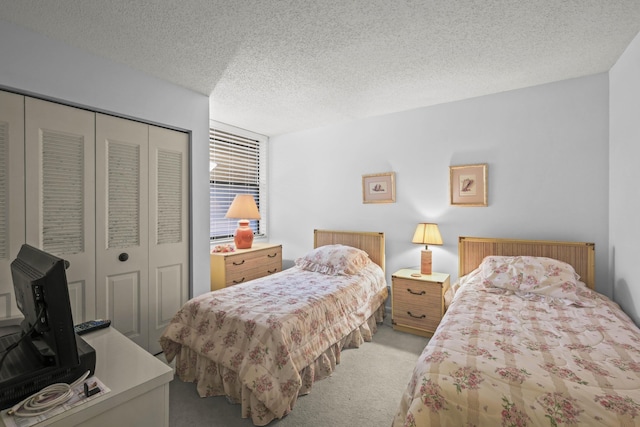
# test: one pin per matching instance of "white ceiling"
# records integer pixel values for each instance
(276, 66)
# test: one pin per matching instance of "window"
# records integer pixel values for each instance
(237, 160)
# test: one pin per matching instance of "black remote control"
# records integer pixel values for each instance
(91, 325)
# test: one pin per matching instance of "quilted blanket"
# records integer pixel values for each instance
(262, 342)
(505, 357)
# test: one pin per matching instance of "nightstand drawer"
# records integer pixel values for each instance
(414, 292)
(417, 316)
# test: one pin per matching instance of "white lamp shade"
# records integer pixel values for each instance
(427, 234)
(243, 207)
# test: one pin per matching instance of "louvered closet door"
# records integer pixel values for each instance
(11, 195)
(169, 228)
(60, 193)
(121, 222)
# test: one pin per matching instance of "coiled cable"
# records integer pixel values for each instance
(46, 399)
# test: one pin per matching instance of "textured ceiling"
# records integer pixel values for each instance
(276, 66)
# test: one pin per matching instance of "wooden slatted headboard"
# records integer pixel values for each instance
(581, 255)
(369, 241)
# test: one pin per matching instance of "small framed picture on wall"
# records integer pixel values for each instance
(468, 185)
(379, 188)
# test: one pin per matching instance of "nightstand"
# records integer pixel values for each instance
(231, 268)
(417, 301)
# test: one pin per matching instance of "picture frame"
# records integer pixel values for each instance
(468, 185)
(379, 188)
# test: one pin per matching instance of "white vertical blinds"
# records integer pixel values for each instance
(4, 190)
(235, 163)
(169, 197)
(124, 194)
(62, 192)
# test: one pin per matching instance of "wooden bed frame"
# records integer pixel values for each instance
(369, 241)
(581, 255)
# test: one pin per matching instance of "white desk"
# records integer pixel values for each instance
(138, 381)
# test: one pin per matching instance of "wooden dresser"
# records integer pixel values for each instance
(417, 303)
(231, 268)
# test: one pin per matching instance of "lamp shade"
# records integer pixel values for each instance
(427, 234)
(244, 208)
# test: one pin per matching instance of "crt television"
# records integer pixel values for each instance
(42, 295)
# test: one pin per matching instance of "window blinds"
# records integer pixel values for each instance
(234, 163)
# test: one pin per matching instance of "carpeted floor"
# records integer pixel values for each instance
(363, 391)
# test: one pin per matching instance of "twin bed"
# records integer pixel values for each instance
(526, 342)
(263, 343)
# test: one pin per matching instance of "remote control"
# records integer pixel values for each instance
(91, 325)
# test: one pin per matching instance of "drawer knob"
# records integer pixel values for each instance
(238, 281)
(416, 293)
(416, 317)
(272, 271)
(123, 256)
(238, 263)
(273, 256)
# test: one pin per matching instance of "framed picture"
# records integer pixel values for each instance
(379, 188)
(468, 185)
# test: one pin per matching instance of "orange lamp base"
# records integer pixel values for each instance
(425, 262)
(244, 235)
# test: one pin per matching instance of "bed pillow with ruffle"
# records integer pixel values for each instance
(334, 260)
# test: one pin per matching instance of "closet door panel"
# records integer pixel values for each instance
(124, 291)
(60, 192)
(169, 228)
(12, 225)
(122, 232)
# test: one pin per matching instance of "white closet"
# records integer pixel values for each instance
(110, 196)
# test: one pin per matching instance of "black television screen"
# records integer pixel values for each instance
(42, 295)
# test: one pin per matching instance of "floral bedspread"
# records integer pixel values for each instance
(252, 341)
(501, 359)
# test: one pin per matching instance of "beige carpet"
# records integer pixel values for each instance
(364, 390)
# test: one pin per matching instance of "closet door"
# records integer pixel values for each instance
(122, 231)
(12, 226)
(169, 228)
(60, 193)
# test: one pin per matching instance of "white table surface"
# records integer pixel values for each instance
(126, 369)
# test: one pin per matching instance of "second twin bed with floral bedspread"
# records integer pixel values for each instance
(526, 343)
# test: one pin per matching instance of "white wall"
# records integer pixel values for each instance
(624, 199)
(546, 148)
(547, 151)
(40, 66)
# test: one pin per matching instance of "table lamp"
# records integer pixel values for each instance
(426, 234)
(243, 208)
